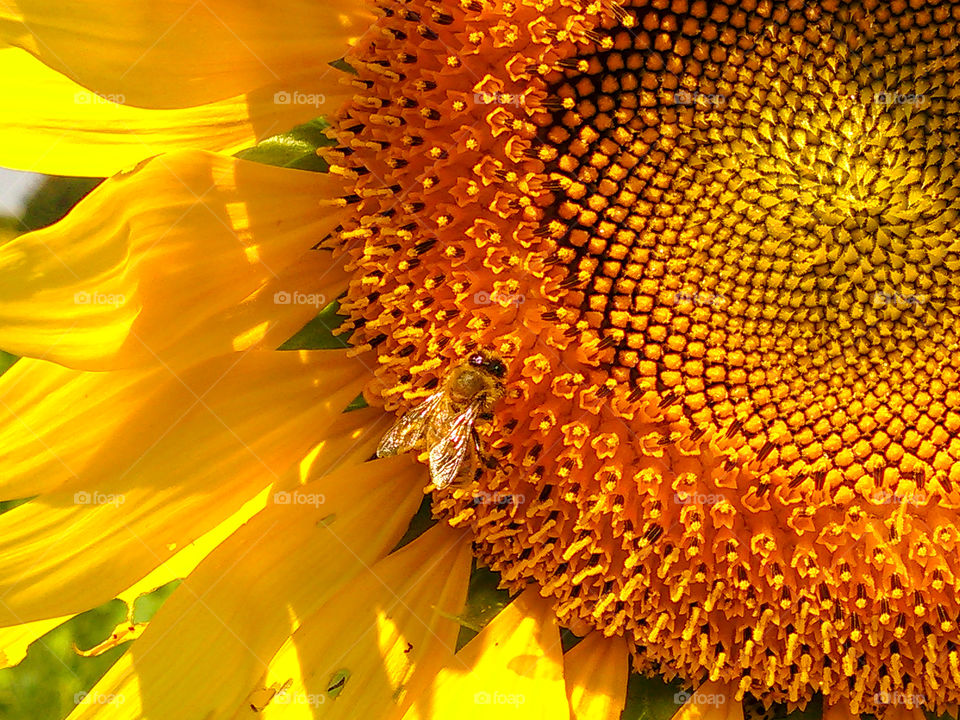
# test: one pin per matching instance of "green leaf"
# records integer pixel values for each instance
(344, 66)
(358, 403)
(6, 505)
(53, 199)
(651, 698)
(568, 641)
(420, 523)
(813, 711)
(145, 606)
(6, 361)
(294, 149)
(484, 601)
(318, 333)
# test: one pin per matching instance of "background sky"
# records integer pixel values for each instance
(15, 188)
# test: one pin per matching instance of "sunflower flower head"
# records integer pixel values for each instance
(712, 247)
(715, 243)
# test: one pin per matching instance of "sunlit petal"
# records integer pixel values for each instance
(512, 669)
(388, 632)
(194, 452)
(53, 125)
(596, 673)
(154, 264)
(179, 53)
(235, 611)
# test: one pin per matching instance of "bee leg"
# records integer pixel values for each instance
(488, 461)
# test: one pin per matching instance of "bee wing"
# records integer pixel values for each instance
(448, 454)
(408, 431)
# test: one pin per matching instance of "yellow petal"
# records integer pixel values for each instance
(350, 439)
(206, 647)
(179, 53)
(58, 127)
(54, 419)
(274, 312)
(15, 640)
(711, 701)
(54, 422)
(124, 632)
(596, 672)
(167, 477)
(512, 669)
(387, 633)
(152, 265)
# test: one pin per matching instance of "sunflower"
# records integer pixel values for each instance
(714, 245)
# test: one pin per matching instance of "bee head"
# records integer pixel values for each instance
(488, 362)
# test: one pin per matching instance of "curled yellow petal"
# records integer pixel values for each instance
(58, 127)
(168, 262)
(126, 631)
(179, 53)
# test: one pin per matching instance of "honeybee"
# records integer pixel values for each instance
(443, 424)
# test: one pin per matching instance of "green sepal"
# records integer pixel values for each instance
(813, 711)
(6, 361)
(652, 698)
(568, 640)
(358, 403)
(484, 601)
(295, 149)
(420, 523)
(318, 333)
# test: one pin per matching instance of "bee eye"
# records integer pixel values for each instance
(476, 359)
(497, 369)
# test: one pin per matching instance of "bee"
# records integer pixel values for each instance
(443, 424)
